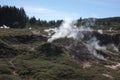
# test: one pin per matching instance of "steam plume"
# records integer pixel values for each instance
(67, 29)
(82, 33)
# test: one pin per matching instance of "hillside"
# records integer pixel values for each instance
(108, 23)
(28, 56)
(102, 23)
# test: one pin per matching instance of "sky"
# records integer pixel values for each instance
(61, 9)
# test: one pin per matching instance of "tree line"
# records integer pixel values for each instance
(43, 23)
(17, 18)
(12, 17)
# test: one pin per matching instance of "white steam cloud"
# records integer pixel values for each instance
(67, 29)
(100, 31)
(83, 33)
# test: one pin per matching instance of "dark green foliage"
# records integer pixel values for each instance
(6, 50)
(101, 23)
(8, 77)
(5, 70)
(50, 50)
(32, 20)
(12, 17)
(107, 23)
(23, 38)
(116, 39)
(52, 23)
(43, 23)
(59, 22)
(79, 22)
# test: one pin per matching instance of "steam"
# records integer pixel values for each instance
(82, 33)
(4, 27)
(67, 29)
(110, 29)
(113, 47)
(93, 45)
(100, 31)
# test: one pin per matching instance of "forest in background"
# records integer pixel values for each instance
(17, 18)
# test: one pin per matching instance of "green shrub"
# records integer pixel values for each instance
(4, 69)
(50, 50)
(9, 77)
(6, 50)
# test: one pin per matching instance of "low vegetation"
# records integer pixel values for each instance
(30, 57)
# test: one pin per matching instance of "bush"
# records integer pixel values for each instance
(6, 50)
(4, 69)
(8, 77)
(50, 50)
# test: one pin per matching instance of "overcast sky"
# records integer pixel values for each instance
(60, 9)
